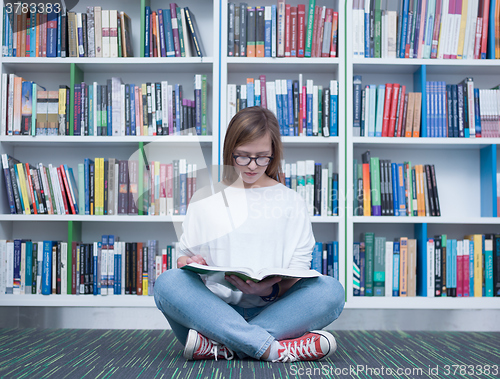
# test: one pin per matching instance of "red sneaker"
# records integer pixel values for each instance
(311, 346)
(200, 347)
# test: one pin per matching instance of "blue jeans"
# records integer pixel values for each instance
(187, 303)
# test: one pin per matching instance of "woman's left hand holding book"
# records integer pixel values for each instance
(185, 260)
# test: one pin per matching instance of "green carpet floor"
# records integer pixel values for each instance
(70, 353)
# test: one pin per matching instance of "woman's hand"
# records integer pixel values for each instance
(262, 288)
(185, 260)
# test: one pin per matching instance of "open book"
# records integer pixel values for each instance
(248, 274)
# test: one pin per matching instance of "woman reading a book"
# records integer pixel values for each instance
(251, 221)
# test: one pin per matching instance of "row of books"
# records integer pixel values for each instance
(171, 32)
(443, 267)
(44, 30)
(104, 187)
(460, 110)
(112, 109)
(301, 110)
(385, 110)
(282, 30)
(383, 188)
(318, 185)
(325, 258)
(105, 267)
(429, 29)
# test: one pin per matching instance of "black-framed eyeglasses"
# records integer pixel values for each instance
(245, 161)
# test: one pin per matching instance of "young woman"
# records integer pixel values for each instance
(256, 222)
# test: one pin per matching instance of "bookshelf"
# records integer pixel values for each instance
(465, 170)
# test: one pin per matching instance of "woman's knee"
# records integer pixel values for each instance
(168, 284)
(332, 294)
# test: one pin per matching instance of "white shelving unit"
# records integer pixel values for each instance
(457, 162)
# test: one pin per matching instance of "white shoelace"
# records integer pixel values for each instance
(209, 347)
(295, 352)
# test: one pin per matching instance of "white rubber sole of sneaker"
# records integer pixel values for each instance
(331, 341)
(190, 346)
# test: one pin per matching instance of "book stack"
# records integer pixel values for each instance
(47, 31)
(111, 109)
(325, 258)
(39, 189)
(383, 188)
(385, 110)
(317, 185)
(460, 110)
(172, 32)
(428, 29)
(282, 30)
(105, 267)
(301, 110)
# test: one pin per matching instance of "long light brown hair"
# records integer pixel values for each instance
(246, 126)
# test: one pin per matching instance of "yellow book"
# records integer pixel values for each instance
(101, 186)
(461, 36)
(412, 267)
(24, 190)
(145, 284)
(62, 111)
(478, 265)
(421, 211)
(97, 187)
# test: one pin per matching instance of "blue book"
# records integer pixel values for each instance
(161, 28)
(273, 33)
(58, 35)
(119, 287)
(86, 171)
(404, 29)
(442, 110)
(309, 99)
(111, 258)
(334, 109)
(317, 257)
(329, 259)
(12, 51)
(147, 31)
(250, 93)
(477, 111)
(379, 118)
(395, 269)
(430, 108)
(401, 190)
(132, 110)
(52, 34)
(257, 96)
(471, 267)
(356, 270)
(95, 265)
(279, 107)
(47, 268)
(356, 106)
(395, 187)
(28, 274)
(177, 111)
(169, 35)
(335, 198)
(336, 260)
(289, 87)
(367, 33)
(267, 35)
(284, 109)
(449, 104)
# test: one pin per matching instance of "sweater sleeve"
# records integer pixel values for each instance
(302, 255)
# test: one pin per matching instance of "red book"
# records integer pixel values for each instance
(484, 37)
(164, 262)
(63, 192)
(263, 98)
(333, 46)
(303, 109)
(401, 111)
(139, 268)
(387, 109)
(301, 30)
(288, 36)
(30, 187)
(394, 108)
(293, 31)
(321, 26)
(460, 275)
(317, 16)
(44, 35)
(62, 173)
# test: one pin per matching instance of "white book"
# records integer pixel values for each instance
(164, 104)
(3, 266)
(10, 104)
(361, 29)
(39, 267)
(271, 97)
(355, 28)
(111, 269)
(430, 268)
(122, 125)
(104, 270)
(3, 128)
(472, 34)
(389, 261)
(456, 33)
(443, 30)
(243, 93)
(105, 34)
(158, 266)
(310, 186)
(49, 200)
(231, 101)
(325, 196)
(9, 287)
(367, 110)
(79, 26)
(392, 30)
(64, 268)
(98, 31)
(186, 35)
(153, 109)
(56, 189)
(22, 271)
(116, 105)
(384, 36)
(471, 108)
(113, 33)
(467, 29)
(315, 111)
(91, 32)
